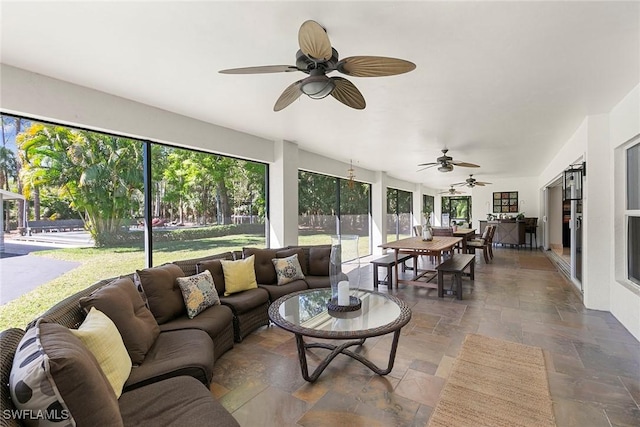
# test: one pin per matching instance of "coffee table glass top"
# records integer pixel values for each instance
(306, 312)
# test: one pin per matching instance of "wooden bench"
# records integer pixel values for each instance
(456, 266)
(388, 261)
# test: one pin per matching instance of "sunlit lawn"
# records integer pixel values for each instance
(103, 263)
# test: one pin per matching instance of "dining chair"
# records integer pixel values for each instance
(485, 242)
(531, 228)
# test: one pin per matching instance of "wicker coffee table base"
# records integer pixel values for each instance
(341, 349)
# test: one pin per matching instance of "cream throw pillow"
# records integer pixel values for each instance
(100, 335)
(239, 275)
(287, 269)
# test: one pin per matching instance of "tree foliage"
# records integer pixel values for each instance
(99, 175)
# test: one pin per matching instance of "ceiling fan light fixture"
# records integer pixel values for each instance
(317, 87)
(445, 168)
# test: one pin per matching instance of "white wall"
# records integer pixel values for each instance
(624, 124)
(528, 197)
(597, 140)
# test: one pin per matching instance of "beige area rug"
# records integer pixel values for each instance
(495, 383)
(536, 263)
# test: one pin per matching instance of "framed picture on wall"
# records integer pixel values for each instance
(505, 202)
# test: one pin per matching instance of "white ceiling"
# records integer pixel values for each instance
(501, 84)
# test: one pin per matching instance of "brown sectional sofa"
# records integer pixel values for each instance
(185, 349)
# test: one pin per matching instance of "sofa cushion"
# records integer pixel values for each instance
(214, 320)
(198, 292)
(315, 282)
(319, 257)
(54, 372)
(100, 335)
(265, 273)
(276, 291)
(189, 266)
(120, 301)
(239, 275)
(185, 352)
(243, 302)
(215, 268)
(302, 257)
(287, 269)
(163, 294)
(184, 402)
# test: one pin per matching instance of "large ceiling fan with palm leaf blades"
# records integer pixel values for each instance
(471, 182)
(317, 58)
(446, 163)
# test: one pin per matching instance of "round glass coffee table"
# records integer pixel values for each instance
(305, 314)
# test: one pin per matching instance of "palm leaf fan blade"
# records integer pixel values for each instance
(290, 94)
(314, 41)
(374, 66)
(347, 93)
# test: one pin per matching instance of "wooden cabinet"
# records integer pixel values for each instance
(508, 232)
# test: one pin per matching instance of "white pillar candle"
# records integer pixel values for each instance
(343, 293)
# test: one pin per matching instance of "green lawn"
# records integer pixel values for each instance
(102, 263)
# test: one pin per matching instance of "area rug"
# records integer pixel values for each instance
(536, 263)
(495, 383)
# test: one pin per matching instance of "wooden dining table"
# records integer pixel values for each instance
(466, 234)
(415, 246)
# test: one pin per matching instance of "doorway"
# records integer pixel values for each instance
(563, 231)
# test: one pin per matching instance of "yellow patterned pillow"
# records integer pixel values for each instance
(198, 292)
(100, 335)
(239, 275)
(287, 269)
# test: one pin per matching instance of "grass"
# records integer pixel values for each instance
(101, 263)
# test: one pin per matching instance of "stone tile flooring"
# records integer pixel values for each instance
(593, 362)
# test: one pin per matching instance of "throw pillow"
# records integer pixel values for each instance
(163, 294)
(302, 257)
(100, 335)
(198, 292)
(57, 381)
(239, 275)
(120, 301)
(287, 269)
(215, 268)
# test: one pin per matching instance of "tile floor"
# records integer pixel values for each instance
(593, 362)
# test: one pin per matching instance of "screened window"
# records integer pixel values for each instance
(399, 210)
(456, 209)
(206, 202)
(633, 213)
(329, 205)
(428, 206)
(89, 188)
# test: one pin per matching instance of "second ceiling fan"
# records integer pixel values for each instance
(446, 163)
(471, 182)
(317, 58)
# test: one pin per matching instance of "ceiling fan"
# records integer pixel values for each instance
(317, 58)
(471, 182)
(451, 191)
(446, 163)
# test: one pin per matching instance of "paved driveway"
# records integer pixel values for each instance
(21, 272)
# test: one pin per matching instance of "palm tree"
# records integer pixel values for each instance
(99, 175)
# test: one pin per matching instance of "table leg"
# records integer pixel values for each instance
(395, 267)
(342, 348)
